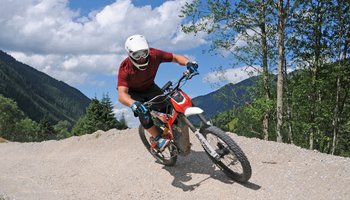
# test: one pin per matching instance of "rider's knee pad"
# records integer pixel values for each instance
(146, 120)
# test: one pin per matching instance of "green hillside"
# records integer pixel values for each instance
(39, 95)
(227, 97)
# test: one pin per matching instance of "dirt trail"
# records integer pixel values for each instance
(115, 165)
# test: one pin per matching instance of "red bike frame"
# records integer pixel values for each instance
(180, 101)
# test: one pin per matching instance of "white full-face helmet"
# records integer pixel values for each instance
(138, 51)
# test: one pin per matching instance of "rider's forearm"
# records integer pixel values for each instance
(125, 99)
(180, 59)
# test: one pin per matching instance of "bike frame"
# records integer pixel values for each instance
(182, 105)
(170, 118)
(175, 124)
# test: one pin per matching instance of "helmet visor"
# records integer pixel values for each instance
(139, 54)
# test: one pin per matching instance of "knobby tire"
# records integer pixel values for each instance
(246, 173)
(159, 156)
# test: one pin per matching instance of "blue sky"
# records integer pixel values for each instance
(81, 42)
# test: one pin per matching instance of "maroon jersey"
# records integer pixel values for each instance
(139, 80)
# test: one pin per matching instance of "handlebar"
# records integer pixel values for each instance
(167, 86)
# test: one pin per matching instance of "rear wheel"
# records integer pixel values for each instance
(167, 157)
(232, 161)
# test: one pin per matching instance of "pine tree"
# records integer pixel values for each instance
(107, 115)
(99, 116)
(61, 129)
(94, 116)
(90, 122)
(80, 127)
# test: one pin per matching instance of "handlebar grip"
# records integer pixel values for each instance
(167, 85)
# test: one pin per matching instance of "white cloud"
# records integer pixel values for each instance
(53, 38)
(234, 75)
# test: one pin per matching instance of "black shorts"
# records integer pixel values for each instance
(147, 95)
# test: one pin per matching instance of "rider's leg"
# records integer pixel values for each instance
(156, 141)
(153, 131)
(146, 119)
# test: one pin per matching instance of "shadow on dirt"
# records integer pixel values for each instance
(199, 163)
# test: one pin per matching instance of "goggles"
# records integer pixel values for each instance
(139, 54)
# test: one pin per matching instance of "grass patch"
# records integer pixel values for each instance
(2, 140)
(2, 197)
(97, 136)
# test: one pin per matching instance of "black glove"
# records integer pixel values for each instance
(138, 108)
(192, 68)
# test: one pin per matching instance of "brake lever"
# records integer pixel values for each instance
(147, 104)
(189, 75)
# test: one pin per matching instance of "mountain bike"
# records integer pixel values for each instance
(174, 124)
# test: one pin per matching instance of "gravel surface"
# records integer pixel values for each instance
(116, 165)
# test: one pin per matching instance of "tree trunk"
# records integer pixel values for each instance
(265, 70)
(289, 107)
(281, 27)
(335, 121)
(314, 96)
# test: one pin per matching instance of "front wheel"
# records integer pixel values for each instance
(232, 160)
(168, 157)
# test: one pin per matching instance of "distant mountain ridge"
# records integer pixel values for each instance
(225, 98)
(39, 95)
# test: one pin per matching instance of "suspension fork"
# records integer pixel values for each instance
(200, 136)
(190, 125)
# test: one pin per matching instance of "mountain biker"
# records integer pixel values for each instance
(136, 80)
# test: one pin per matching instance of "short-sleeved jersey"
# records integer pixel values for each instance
(140, 80)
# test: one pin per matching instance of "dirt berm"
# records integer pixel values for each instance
(115, 165)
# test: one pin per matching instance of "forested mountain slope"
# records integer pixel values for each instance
(227, 97)
(39, 95)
